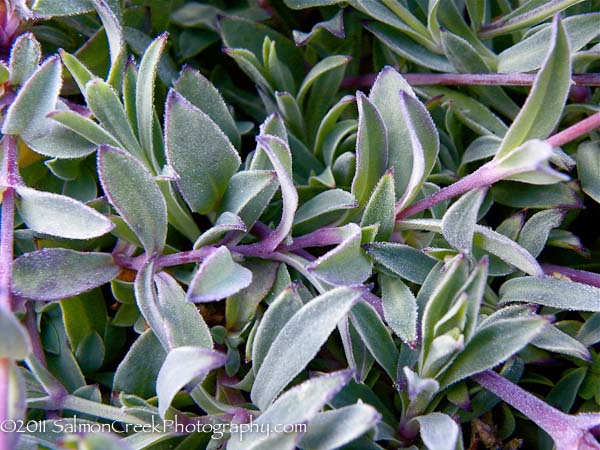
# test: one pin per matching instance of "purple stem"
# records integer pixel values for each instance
(568, 432)
(486, 175)
(34, 335)
(482, 177)
(580, 276)
(459, 79)
(9, 178)
(579, 129)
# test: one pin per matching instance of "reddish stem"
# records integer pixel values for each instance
(579, 129)
(474, 79)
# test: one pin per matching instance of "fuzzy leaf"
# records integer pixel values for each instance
(333, 429)
(281, 158)
(458, 224)
(182, 366)
(84, 127)
(380, 208)
(438, 431)
(15, 342)
(300, 340)
(552, 292)
(104, 103)
(201, 93)
(322, 209)
(144, 93)
(491, 345)
(36, 98)
(319, 70)
(544, 106)
(300, 404)
(278, 314)
(218, 277)
(588, 167)
(25, 55)
(536, 230)
(402, 260)
(376, 337)
(56, 273)
(58, 215)
(131, 189)
(371, 150)
(225, 223)
(346, 264)
(203, 172)
(528, 54)
(399, 308)
(495, 243)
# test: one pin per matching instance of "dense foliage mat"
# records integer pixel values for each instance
(315, 224)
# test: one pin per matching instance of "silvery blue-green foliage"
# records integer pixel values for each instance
(204, 222)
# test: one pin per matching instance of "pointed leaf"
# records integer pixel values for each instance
(182, 366)
(218, 277)
(281, 158)
(545, 103)
(347, 263)
(144, 92)
(131, 189)
(203, 172)
(322, 209)
(399, 308)
(84, 126)
(104, 103)
(402, 260)
(333, 429)
(458, 224)
(438, 431)
(491, 345)
(25, 55)
(552, 292)
(300, 340)
(371, 150)
(36, 98)
(380, 208)
(203, 95)
(298, 405)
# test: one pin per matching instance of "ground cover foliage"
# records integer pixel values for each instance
(376, 219)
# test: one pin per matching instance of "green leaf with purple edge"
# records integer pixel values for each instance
(300, 340)
(36, 98)
(182, 366)
(200, 153)
(59, 215)
(56, 273)
(281, 158)
(545, 103)
(299, 404)
(346, 264)
(132, 190)
(218, 277)
(438, 431)
(323, 209)
(371, 150)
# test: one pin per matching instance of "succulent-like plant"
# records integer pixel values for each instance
(209, 240)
